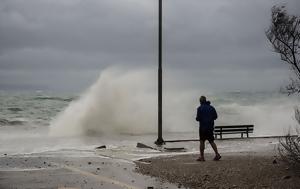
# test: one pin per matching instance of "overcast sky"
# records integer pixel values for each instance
(65, 44)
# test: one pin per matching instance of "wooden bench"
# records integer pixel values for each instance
(233, 129)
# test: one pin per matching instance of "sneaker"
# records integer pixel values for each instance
(200, 159)
(217, 157)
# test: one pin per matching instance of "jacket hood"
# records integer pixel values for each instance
(206, 103)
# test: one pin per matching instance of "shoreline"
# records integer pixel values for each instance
(234, 170)
(244, 164)
(233, 138)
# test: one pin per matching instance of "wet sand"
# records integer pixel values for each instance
(234, 170)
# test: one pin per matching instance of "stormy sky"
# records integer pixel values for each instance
(65, 44)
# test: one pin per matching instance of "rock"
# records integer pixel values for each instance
(179, 185)
(5, 154)
(98, 168)
(274, 161)
(101, 147)
(286, 177)
(150, 187)
(89, 163)
(206, 178)
(140, 145)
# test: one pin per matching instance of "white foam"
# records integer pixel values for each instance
(123, 101)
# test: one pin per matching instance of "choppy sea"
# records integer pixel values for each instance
(26, 119)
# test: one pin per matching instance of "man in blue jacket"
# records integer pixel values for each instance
(206, 115)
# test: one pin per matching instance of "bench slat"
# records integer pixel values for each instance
(232, 133)
(234, 126)
(233, 130)
(227, 132)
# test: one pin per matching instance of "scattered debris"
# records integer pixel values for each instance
(101, 147)
(286, 177)
(175, 149)
(141, 145)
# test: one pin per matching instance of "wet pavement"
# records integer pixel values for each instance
(110, 168)
(53, 171)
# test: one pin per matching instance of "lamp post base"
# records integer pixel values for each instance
(159, 142)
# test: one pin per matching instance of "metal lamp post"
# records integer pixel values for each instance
(159, 140)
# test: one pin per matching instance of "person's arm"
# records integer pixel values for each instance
(198, 115)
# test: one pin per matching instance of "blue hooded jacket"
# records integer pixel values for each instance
(206, 114)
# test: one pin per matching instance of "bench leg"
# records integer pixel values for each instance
(242, 135)
(247, 135)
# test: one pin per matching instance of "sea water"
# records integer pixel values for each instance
(120, 109)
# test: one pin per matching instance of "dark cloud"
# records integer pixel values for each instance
(212, 41)
(83, 26)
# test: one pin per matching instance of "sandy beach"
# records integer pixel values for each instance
(234, 170)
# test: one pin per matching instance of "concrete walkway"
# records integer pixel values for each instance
(52, 170)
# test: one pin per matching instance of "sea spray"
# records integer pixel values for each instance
(125, 101)
(119, 102)
(271, 117)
